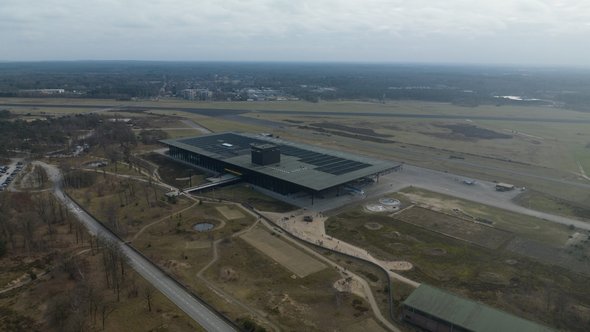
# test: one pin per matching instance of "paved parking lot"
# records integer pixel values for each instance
(9, 172)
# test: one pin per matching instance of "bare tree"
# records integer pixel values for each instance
(28, 225)
(148, 293)
(39, 176)
(106, 309)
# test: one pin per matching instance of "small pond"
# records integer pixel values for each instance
(203, 227)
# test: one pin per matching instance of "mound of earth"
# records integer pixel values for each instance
(373, 226)
(226, 274)
(511, 261)
(461, 131)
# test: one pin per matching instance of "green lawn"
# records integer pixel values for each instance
(525, 226)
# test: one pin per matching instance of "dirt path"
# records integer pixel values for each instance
(582, 171)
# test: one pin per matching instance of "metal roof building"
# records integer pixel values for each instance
(434, 309)
(300, 167)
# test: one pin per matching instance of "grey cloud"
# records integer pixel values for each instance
(340, 30)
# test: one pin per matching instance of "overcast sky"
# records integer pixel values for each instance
(534, 32)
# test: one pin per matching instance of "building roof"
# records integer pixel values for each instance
(264, 146)
(309, 166)
(466, 313)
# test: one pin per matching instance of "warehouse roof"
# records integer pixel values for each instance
(309, 166)
(466, 313)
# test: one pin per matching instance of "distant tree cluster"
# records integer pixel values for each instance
(40, 136)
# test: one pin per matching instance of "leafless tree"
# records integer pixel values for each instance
(106, 309)
(28, 226)
(148, 293)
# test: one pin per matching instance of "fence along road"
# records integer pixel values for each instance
(197, 310)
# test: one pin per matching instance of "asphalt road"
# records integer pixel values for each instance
(186, 302)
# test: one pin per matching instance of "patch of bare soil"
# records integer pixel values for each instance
(348, 129)
(284, 305)
(176, 265)
(368, 138)
(227, 274)
(350, 285)
(468, 132)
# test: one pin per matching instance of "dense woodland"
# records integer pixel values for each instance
(463, 85)
(52, 134)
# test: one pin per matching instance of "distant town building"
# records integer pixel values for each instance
(189, 94)
(42, 92)
(197, 94)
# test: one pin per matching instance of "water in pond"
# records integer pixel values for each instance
(203, 227)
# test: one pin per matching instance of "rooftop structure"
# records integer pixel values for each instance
(434, 309)
(283, 166)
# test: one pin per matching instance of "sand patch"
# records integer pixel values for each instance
(350, 285)
(283, 253)
(230, 212)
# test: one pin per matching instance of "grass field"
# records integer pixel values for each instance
(283, 253)
(469, 231)
(534, 143)
(525, 226)
(543, 202)
(496, 277)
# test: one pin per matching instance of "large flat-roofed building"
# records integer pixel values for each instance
(436, 310)
(275, 164)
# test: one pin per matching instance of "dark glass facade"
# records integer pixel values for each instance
(262, 180)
